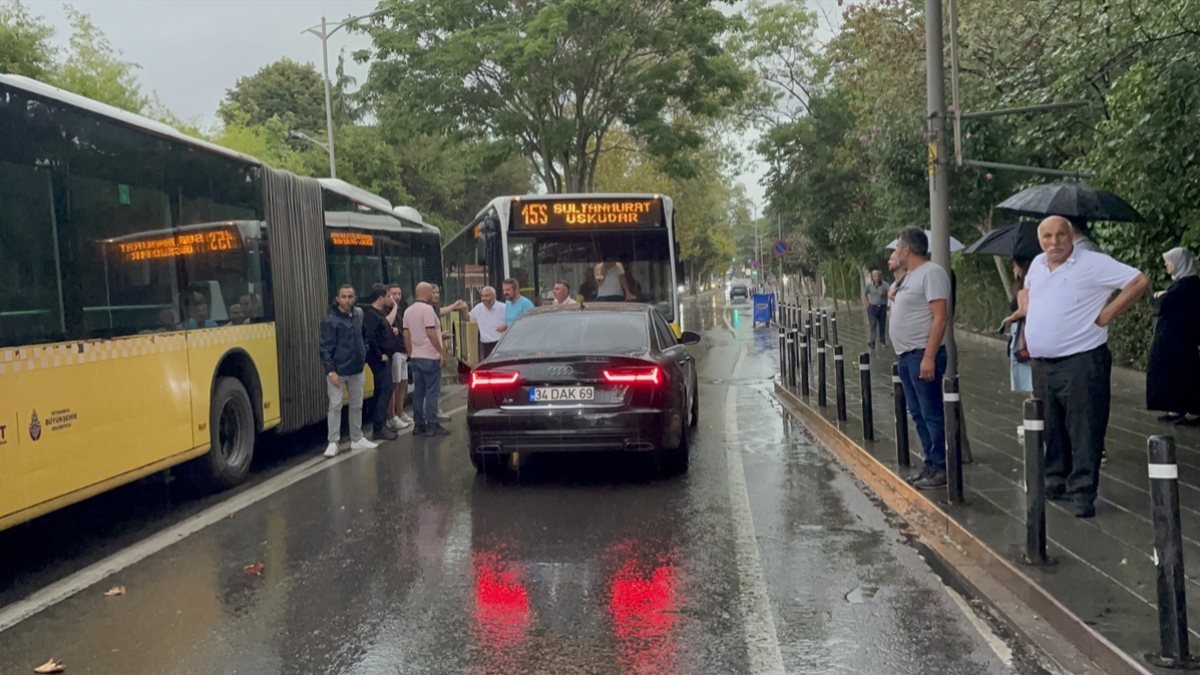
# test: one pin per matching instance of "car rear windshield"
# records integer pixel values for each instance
(577, 332)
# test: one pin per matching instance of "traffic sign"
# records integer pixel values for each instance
(781, 247)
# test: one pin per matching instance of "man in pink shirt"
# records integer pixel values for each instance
(423, 339)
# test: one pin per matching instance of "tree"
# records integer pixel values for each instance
(25, 47)
(95, 69)
(293, 92)
(555, 77)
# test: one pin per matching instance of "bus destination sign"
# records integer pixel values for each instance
(191, 243)
(355, 239)
(582, 214)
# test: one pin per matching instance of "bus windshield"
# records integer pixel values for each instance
(624, 265)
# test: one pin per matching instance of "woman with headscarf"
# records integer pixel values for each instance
(1173, 373)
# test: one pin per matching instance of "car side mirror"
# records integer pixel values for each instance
(689, 338)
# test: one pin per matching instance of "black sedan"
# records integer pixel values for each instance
(590, 377)
(739, 292)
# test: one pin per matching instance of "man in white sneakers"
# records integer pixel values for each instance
(398, 420)
(343, 355)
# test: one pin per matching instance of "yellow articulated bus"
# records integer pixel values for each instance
(160, 296)
(539, 240)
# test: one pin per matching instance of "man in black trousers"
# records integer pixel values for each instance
(382, 343)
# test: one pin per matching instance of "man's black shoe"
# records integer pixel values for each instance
(913, 478)
(933, 480)
(1056, 492)
(438, 430)
(1082, 509)
(419, 430)
(385, 434)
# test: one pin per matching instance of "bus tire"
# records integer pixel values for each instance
(232, 432)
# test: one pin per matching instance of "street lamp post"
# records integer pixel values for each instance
(323, 32)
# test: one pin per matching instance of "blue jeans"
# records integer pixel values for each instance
(427, 386)
(925, 404)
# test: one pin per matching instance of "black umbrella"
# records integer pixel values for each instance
(1016, 240)
(1075, 201)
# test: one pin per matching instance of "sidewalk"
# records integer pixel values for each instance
(1105, 572)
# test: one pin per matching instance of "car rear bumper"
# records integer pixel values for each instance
(502, 431)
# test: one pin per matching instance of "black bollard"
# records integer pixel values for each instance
(783, 354)
(839, 375)
(902, 458)
(825, 325)
(805, 359)
(950, 404)
(1035, 484)
(821, 373)
(794, 354)
(1168, 556)
(790, 353)
(868, 413)
(808, 331)
(833, 328)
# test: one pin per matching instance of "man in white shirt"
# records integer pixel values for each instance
(562, 293)
(1066, 332)
(489, 316)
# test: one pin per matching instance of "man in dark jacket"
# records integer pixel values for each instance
(382, 343)
(343, 353)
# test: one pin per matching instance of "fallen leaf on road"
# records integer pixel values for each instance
(254, 569)
(114, 591)
(1124, 561)
(51, 666)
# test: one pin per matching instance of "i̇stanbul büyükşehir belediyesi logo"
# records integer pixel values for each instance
(35, 427)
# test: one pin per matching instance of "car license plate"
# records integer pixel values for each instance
(561, 394)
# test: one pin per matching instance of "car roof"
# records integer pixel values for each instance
(592, 308)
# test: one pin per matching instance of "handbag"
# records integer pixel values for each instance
(1020, 349)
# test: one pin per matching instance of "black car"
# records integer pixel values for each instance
(739, 292)
(589, 377)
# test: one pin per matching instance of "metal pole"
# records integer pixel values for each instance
(939, 186)
(1035, 484)
(790, 349)
(902, 457)
(328, 103)
(825, 325)
(805, 358)
(783, 354)
(833, 328)
(954, 478)
(1168, 556)
(839, 374)
(821, 401)
(868, 413)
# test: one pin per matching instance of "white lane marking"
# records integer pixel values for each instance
(46, 597)
(1001, 649)
(762, 640)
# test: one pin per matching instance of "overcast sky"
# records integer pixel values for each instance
(191, 51)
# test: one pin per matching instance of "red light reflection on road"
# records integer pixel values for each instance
(501, 615)
(644, 614)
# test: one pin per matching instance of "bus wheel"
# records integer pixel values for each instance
(231, 425)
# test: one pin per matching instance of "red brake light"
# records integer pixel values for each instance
(493, 378)
(637, 375)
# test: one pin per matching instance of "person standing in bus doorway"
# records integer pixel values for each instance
(436, 301)
(489, 316)
(516, 304)
(562, 294)
(343, 354)
(398, 420)
(382, 343)
(423, 341)
(612, 284)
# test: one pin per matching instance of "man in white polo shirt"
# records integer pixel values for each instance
(1066, 332)
(489, 316)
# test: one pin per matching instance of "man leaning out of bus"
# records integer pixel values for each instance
(343, 355)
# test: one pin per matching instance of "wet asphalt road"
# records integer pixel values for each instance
(766, 557)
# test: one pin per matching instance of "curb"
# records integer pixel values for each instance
(1028, 608)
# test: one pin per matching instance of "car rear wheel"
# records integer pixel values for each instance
(695, 415)
(488, 464)
(231, 429)
(674, 461)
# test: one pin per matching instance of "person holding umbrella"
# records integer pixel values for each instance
(1174, 366)
(1067, 336)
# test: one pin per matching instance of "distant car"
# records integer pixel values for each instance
(591, 377)
(739, 291)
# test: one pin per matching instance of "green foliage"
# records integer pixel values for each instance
(95, 69)
(555, 77)
(25, 47)
(293, 92)
(851, 170)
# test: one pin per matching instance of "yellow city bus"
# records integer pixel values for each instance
(160, 296)
(541, 239)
